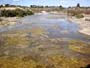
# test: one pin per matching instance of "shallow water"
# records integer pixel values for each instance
(53, 25)
(41, 36)
(42, 28)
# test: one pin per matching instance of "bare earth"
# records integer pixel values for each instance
(83, 24)
(6, 21)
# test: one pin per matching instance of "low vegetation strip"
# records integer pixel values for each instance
(55, 61)
(15, 13)
(80, 47)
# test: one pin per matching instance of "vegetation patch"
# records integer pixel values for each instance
(53, 61)
(79, 16)
(79, 46)
(60, 61)
(18, 62)
(76, 13)
(15, 13)
(15, 41)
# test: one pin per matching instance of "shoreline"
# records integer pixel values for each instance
(8, 21)
(82, 23)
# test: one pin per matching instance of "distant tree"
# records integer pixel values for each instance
(69, 7)
(60, 6)
(46, 6)
(12, 5)
(33, 6)
(7, 5)
(1, 6)
(78, 5)
(41, 6)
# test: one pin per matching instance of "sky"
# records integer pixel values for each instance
(65, 3)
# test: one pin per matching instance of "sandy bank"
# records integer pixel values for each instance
(83, 23)
(7, 21)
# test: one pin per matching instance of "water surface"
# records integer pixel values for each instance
(48, 30)
(54, 25)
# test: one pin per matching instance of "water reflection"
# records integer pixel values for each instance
(53, 25)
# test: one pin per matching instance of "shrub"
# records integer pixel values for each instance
(29, 12)
(75, 13)
(79, 46)
(14, 13)
(20, 13)
(79, 16)
(8, 13)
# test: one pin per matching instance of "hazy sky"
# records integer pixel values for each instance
(64, 3)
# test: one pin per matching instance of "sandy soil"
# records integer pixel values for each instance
(83, 24)
(8, 21)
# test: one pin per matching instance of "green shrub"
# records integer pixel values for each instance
(79, 16)
(14, 13)
(20, 13)
(8, 13)
(75, 13)
(29, 12)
